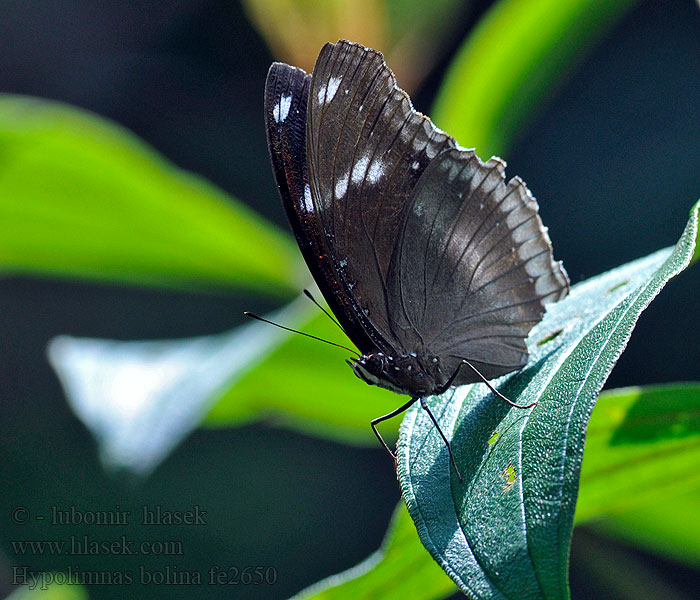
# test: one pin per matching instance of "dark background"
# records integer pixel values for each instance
(614, 160)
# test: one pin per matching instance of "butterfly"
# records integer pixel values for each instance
(435, 267)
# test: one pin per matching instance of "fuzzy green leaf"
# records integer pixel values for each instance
(633, 433)
(505, 532)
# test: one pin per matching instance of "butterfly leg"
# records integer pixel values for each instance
(393, 413)
(486, 381)
(442, 435)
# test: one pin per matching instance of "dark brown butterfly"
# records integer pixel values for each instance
(427, 257)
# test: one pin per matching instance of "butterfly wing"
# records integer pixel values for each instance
(286, 96)
(366, 150)
(473, 267)
(416, 244)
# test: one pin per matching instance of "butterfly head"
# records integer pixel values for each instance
(404, 374)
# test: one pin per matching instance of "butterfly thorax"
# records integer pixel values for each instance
(408, 374)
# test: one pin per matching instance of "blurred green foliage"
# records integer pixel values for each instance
(515, 58)
(83, 197)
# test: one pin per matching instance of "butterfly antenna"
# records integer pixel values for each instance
(259, 318)
(486, 381)
(307, 293)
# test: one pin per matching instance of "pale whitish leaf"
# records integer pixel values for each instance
(141, 398)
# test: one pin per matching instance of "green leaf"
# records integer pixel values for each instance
(633, 432)
(668, 527)
(400, 569)
(506, 531)
(82, 197)
(48, 586)
(642, 446)
(513, 60)
(640, 469)
(141, 398)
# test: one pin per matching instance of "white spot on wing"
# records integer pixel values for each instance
(321, 95)
(326, 92)
(360, 168)
(281, 109)
(308, 201)
(341, 186)
(375, 171)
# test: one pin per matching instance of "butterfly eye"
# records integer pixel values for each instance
(375, 363)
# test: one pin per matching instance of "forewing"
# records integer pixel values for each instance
(367, 148)
(286, 95)
(473, 267)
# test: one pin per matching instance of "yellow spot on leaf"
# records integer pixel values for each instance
(509, 474)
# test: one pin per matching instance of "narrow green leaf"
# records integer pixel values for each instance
(640, 469)
(82, 197)
(400, 569)
(141, 398)
(512, 61)
(506, 531)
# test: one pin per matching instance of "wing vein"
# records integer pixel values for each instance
(448, 241)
